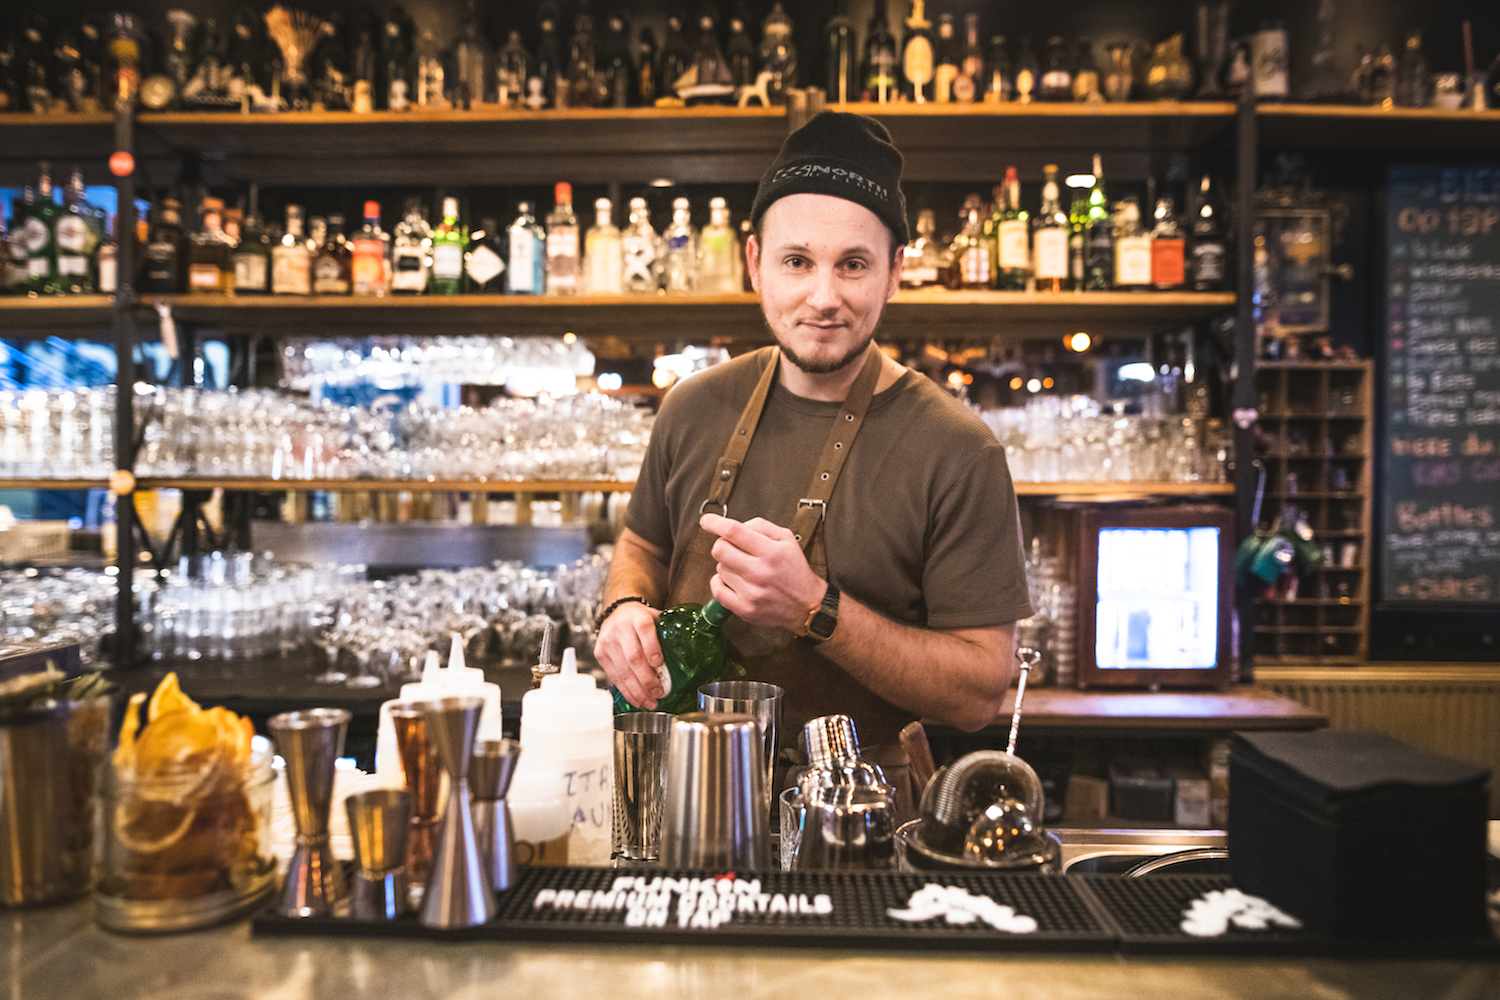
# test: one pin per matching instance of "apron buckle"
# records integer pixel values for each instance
(723, 507)
(821, 505)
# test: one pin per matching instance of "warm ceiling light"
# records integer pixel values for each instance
(1015, 383)
(1047, 382)
(663, 377)
(1079, 342)
(1035, 385)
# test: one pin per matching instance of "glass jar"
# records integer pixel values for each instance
(186, 844)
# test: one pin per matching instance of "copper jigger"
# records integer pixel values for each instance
(459, 892)
(423, 777)
(380, 825)
(310, 742)
(490, 771)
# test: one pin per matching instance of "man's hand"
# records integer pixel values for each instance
(630, 655)
(763, 576)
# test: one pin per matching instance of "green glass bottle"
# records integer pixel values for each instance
(695, 652)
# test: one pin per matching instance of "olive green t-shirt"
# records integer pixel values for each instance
(922, 525)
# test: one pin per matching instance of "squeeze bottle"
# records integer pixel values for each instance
(567, 725)
(437, 682)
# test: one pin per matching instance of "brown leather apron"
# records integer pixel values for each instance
(814, 684)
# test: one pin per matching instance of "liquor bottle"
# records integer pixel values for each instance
(1268, 53)
(364, 63)
(917, 57)
(709, 64)
(694, 652)
(448, 241)
(615, 72)
(397, 86)
(471, 59)
(719, 259)
(549, 61)
(1000, 82)
(244, 61)
(919, 263)
(1028, 73)
(411, 251)
(431, 80)
(969, 247)
(740, 53)
(91, 63)
(1132, 248)
(1099, 246)
(582, 63)
(1168, 248)
(368, 252)
(106, 263)
(676, 56)
(1056, 81)
(970, 82)
(528, 254)
(947, 55)
(20, 277)
(177, 60)
(562, 243)
(647, 72)
(878, 70)
(841, 56)
(1208, 253)
(333, 265)
(41, 239)
(680, 250)
(80, 229)
(1049, 237)
(36, 66)
(10, 84)
(778, 53)
(291, 262)
(161, 257)
(252, 256)
(1087, 85)
(1013, 237)
(603, 253)
(511, 65)
(638, 244)
(1382, 78)
(484, 261)
(210, 264)
(1078, 224)
(1411, 74)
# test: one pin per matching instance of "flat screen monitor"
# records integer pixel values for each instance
(1155, 597)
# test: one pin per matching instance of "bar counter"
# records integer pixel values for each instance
(58, 952)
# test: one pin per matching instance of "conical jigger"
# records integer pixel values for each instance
(310, 742)
(459, 893)
(490, 771)
(380, 824)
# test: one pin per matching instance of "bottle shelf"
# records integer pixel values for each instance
(55, 312)
(53, 484)
(1106, 492)
(1338, 126)
(912, 313)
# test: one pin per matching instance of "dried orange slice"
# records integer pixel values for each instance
(150, 827)
(124, 758)
(177, 754)
(168, 698)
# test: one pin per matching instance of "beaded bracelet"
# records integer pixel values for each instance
(624, 600)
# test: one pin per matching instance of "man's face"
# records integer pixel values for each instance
(824, 269)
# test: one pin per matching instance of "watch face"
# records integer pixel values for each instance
(822, 624)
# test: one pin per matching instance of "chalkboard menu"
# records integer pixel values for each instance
(1440, 506)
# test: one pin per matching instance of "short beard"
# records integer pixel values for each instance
(812, 367)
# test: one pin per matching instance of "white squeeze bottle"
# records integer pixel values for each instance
(437, 682)
(567, 725)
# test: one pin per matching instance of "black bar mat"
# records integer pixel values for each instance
(772, 909)
(1147, 914)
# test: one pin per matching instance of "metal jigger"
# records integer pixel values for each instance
(310, 742)
(458, 891)
(380, 825)
(490, 771)
(423, 777)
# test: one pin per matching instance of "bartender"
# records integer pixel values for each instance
(857, 520)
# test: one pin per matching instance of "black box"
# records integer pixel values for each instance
(1358, 834)
(1138, 790)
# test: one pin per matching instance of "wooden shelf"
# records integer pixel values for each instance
(1238, 708)
(911, 314)
(55, 313)
(1106, 492)
(53, 484)
(1318, 126)
(477, 484)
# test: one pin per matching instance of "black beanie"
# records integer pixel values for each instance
(844, 155)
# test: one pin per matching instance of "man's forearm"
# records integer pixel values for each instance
(638, 569)
(958, 677)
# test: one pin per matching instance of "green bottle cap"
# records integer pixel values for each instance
(714, 613)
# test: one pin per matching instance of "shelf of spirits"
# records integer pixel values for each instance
(20, 314)
(912, 313)
(1319, 126)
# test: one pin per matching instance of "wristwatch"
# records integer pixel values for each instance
(823, 619)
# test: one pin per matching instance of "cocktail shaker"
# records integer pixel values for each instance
(715, 816)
